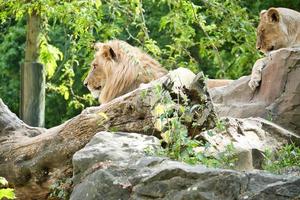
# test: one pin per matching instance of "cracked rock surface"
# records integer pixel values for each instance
(115, 166)
(276, 99)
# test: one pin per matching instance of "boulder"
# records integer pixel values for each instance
(276, 99)
(116, 166)
(106, 147)
(249, 137)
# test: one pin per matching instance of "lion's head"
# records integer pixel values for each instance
(100, 69)
(278, 28)
(118, 68)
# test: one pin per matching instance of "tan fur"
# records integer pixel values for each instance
(278, 28)
(119, 68)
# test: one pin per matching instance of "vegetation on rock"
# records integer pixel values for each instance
(175, 116)
(5, 191)
(283, 159)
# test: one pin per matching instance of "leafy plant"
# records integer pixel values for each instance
(61, 189)
(7, 193)
(49, 55)
(216, 37)
(287, 156)
(228, 158)
(171, 117)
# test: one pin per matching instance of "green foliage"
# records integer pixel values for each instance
(7, 193)
(220, 125)
(61, 189)
(228, 158)
(172, 118)
(287, 156)
(49, 55)
(12, 41)
(216, 37)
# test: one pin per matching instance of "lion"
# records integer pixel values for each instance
(119, 68)
(278, 28)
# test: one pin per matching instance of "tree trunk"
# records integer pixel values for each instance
(32, 77)
(33, 158)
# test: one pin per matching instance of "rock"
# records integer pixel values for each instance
(250, 137)
(113, 170)
(212, 83)
(277, 98)
(185, 82)
(106, 147)
(205, 117)
(291, 171)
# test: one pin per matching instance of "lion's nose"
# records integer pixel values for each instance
(258, 44)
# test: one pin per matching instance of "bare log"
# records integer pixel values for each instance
(33, 158)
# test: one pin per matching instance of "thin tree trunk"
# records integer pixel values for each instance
(33, 77)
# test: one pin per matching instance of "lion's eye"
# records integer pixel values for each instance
(94, 66)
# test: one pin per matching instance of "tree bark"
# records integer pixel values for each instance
(33, 158)
(32, 109)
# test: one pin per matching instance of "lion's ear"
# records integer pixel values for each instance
(273, 15)
(108, 52)
(262, 12)
(97, 46)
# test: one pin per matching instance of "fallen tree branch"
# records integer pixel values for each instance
(33, 158)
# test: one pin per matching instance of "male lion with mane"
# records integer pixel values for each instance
(119, 68)
(278, 28)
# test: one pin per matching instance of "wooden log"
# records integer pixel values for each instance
(33, 158)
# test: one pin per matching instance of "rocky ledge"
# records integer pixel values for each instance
(116, 166)
(277, 99)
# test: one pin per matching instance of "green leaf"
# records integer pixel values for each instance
(7, 193)
(98, 3)
(159, 110)
(49, 55)
(102, 114)
(67, 95)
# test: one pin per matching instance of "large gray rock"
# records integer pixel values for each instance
(106, 147)
(277, 98)
(114, 166)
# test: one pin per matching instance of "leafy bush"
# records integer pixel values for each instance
(287, 156)
(12, 41)
(172, 118)
(61, 189)
(216, 37)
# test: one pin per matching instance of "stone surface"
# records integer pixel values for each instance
(108, 169)
(106, 147)
(277, 98)
(249, 137)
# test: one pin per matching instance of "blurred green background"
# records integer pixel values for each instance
(213, 36)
